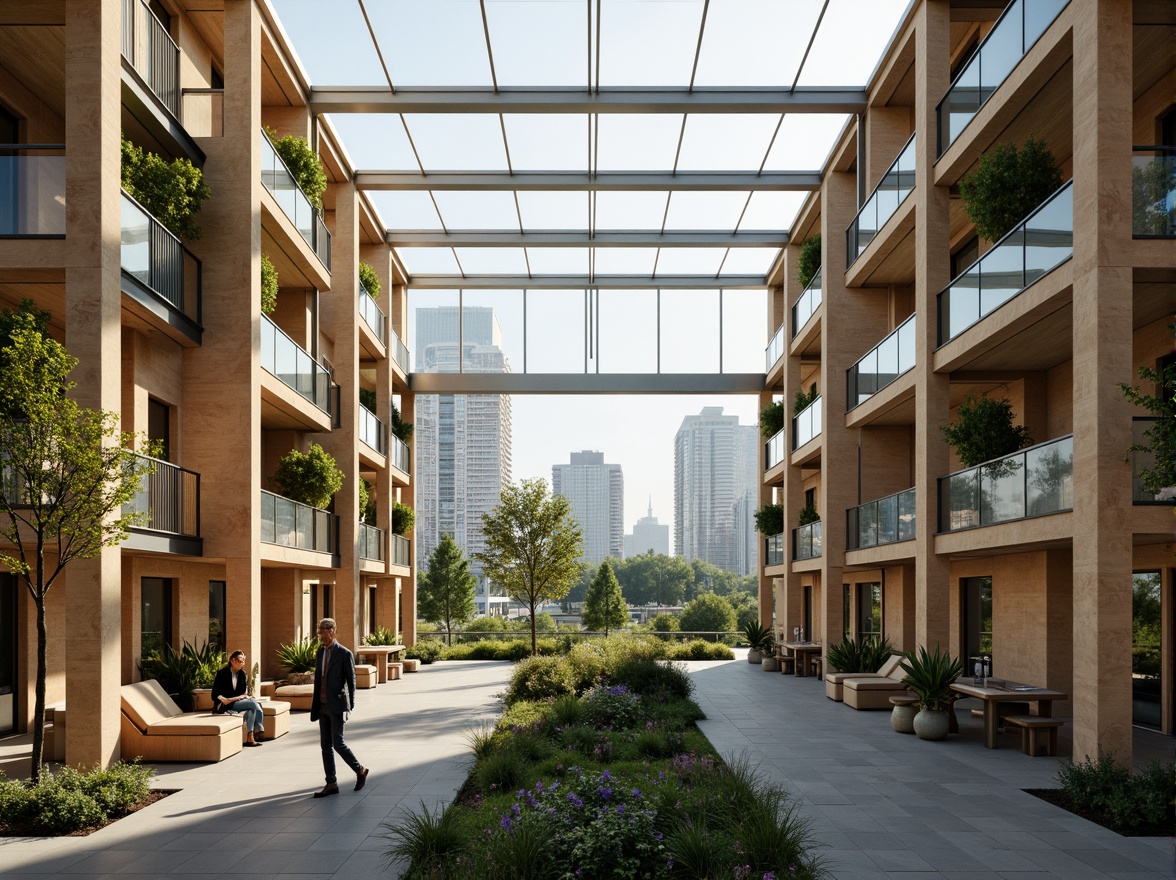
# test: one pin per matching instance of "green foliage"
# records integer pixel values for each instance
(700, 649)
(809, 263)
(653, 577)
(172, 192)
(769, 519)
(604, 607)
(299, 655)
(513, 650)
(72, 800)
(403, 518)
(930, 677)
(665, 623)
(1131, 802)
(865, 655)
(771, 419)
(367, 503)
(1160, 437)
(802, 400)
(429, 841)
(426, 652)
(540, 678)
(310, 478)
(401, 429)
(757, 635)
(27, 317)
(382, 635)
(304, 163)
(1007, 185)
(532, 545)
(808, 514)
(708, 613)
(179, 672)
(613, 706)
(369, 279)
(269, 285)
(367, 399)
(445, 592)
(983, 430)
(652, 678)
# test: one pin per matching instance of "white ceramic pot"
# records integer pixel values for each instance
(931, 724)
(754, 655)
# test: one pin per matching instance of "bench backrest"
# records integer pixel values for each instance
(146, 702)
(891, 669)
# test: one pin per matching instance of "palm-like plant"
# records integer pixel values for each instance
(930, 676)
(300, 655)
(757, 635)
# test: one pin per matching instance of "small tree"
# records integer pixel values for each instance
(445, 592)
(1161, 436)
(604, 607)
(309, 477)
(709, 612)
(1007, 185)
(269, 286)
(369, 279)
(532, 545)
(63, 484)
(808, 514)
(367, 504)
(983, 430)
(809, 263)
(173, 192)
(802, 400)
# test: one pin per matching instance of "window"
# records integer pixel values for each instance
(155, 629)
(807, 621)
(216, 615)
(328, 605)
(371, 615)
(965, 256)
(8, 655)
(1146, 648)
(846, 630)
(976, 619)
(869, 611)
(159, 426)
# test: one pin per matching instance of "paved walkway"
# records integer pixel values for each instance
(884, 805)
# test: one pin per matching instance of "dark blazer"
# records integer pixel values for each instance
(340, 683)
(222, 686)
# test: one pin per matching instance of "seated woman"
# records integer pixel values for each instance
(229, 695)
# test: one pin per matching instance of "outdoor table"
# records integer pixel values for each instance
(802, 651)
(1009, 692)
(381, 654)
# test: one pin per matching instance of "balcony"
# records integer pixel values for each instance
(290, 523)
(152, 53)
(806, 304)
(1013, 35)
(283, 358)
(887, 520)
(170, 499)
(1146, 461)
(401, 455)
(399, 352)
(371, 314)
(1033, 249)
(806, 542)
(891, 191)
(32, 190)
(1153, 192)
(806, 425)
(371, 430)
(774, 350)
(163, 274)
(774, 450)
(775, 550)
(1033, 482)
(401, 551)
(293, 201)
(882, 364)
(371, 542)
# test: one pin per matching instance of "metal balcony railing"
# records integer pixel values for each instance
(401, 550)
(283, 186)
(806, 304)
(371, 542)
(1033, 482)
(886, 520)
(775, 549)
(1018, 28)
(32, 190)
(1146, 461)
(774, 450)
(288, 361)
(170, 496)
(806, 425)
(370, 312)
(149, 48)
(1153, 192)
(401, 455)
(1032, 250)
(159, 261)
(896, 184)
(371, 430)
(881, 365)
(806, 542)
(291, 523)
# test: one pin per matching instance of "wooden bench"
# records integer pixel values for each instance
(1032, 729)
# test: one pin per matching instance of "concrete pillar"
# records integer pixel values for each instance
(932, 270)
(92, 334)
(1102, 359)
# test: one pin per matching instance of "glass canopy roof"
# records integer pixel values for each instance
(634, 187)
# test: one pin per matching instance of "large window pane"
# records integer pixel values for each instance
(1146, 648)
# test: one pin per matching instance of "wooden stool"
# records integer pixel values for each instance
(395, 667)
(787, 663)
(1032, 728)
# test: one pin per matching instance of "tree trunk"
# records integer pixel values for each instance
(39, 701)
(534, 648)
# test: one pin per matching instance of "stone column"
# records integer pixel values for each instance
(1102, 359)
(93, 336)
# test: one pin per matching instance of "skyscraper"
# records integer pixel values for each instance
(462, 441)
(648, 535)
(714, 465)
(597, 494)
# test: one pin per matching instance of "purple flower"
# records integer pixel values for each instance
(574, 798)
(539, 786)
(506, 823)
(605, 793)
(515, 809)
(621, 810)
(636, 792)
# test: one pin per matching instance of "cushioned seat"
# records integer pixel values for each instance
(365, 675)
(298, 696)
(395, 668)
(154, 728)
(276, 718)
(874, 692)
(834, 680)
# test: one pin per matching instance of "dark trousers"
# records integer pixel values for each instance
(331, 739)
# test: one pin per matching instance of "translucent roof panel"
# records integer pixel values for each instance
(493, 209)
(538, 44)
(458, 141)
(544, 209)
(375, 140)
(867, 27)
(558, 261)
(427, 44)
(648, 42)
(630, 210)
(637, 142)
(705, 210)
(554, 142)
(625, 261)
(726, 141)
(749, 261)
(804, 141)
(428, 261)
(689, 261)
(754, 42)
(406, 210)
(491, 261)
(771, 210)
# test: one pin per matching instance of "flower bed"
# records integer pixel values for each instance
(75, 803)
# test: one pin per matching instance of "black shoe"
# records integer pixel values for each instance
(252, 745)
(361, 778)
(258, 737)
(329, 789)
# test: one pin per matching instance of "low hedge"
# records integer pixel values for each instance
(72, 800)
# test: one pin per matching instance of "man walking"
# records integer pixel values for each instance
(331, 705)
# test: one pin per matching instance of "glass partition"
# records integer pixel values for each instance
(293, 524)
(371, 430)
(774, 350)
(285, 359)
(895, 185)
(401, 550)
(371, 542)
(1015, 32)
(1032, 250)
(774, 449)
(371, 314)
(1140, 460)
(806, 304)
(882, 364)
(149, 48)
(158, 260)
(806, 542)
(293, 201)
(170, 496)
(1153, 192)
(401, 455)
(807, 424)
(1033, 482)
(775, 550)
(887, 520)
(400, 352)
(32, 190)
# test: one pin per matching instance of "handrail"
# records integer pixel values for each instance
(807, 541)
(160, 68)
(774, 545)
(32, 205)
(806, 424)
(885, 362)
(158, 259)
(371, 542)
(1020, 25)
(170, 496)
(774, 349)
(303, 373)
(291, 523)
(886, 520)
(978, 291)
(308, 221)
(1153, 192)
(370, 312)
(896, 184)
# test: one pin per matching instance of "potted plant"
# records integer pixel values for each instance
(770, 662)
(771, 419)
(808, 514)
(369, 279)
(1007, 185)
(769, 519)
(809, 263)
(983, 430)
(298, 659)
(757, 636)
(930, 677)
(309, 477)
(172, 192)
(802, 400)
(382, 635)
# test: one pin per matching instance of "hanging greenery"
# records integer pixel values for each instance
(983, 430)
(1007, 185)
(401, 429)
(1161, 436)
(809, 263)
(172, 192)
(304, 163)
(369, 279)
(771, 419)
(269, 286)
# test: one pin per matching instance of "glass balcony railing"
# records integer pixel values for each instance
(170, 496)
(807, 425)
(806, 304)
(371, 542)
(1033, 249)
(774, 350)
(293, 201)
(892, 190)
(775, 549)
(401, 550)
(1141, 461)
(774, 450)
(806, 542)
(370, 312)
(882, 364)
(1153, 192)
(289, 362)
(887, 520)
(371, 430)
(401, 455)
(159, 261)
(293, 524)
(1013, 35)
(1033, 482)
(152, 52)
(32, 190)
(399, 351)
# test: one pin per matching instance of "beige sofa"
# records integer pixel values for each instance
(154, 728)
(834, 680)
(874, 692)
(276, 714)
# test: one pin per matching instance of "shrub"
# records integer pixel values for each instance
(665, 623)
(809, 263)
(172, 192)
(700, 649)
(708, 613)
(566, 711)
(369, 279)
(613, 706)
(299, 655)
(983, 430)
(802, 400)
(269, 285)
(430, 841)
(769, 519)
(367, 503)
(504, 770)
(1007, 185)
(401, 429)
(859, 656)
(653, 679)
(179, 672)
(539, 678)
(426, 652)
(304, 163)
(310, 478)
(808, 514)
(1103, 787)
(403, 518)
(771, 419)
(61, 809)
(17, 804)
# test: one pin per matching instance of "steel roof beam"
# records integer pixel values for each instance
(558, 238)
(575, 181)
(581, 282)
(586, 383)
